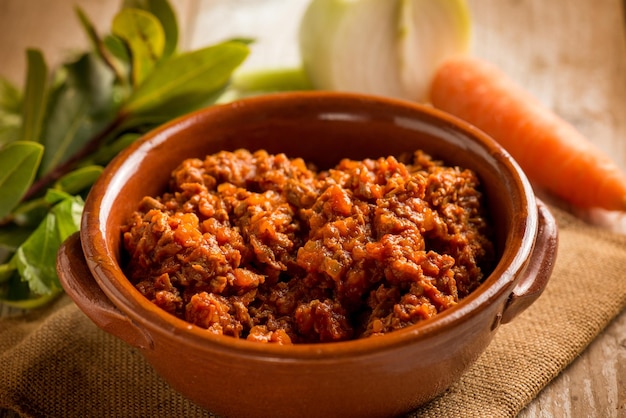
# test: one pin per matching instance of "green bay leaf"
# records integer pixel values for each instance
(163, 11)
(78, 180)
(16, 293)
(68, 214)
(10, 97)
(35, 259)
(185, 81)
(35, 96)
(30, 213)
(144, 36)
(19, 161)
(100, 48)
(108, 151)
(80, 107)
(10, 127)
(12, 236)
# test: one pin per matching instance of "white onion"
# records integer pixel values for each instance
(383, 47)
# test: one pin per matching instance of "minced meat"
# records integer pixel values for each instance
(266, 248)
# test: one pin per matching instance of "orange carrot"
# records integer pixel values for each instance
(552, 153)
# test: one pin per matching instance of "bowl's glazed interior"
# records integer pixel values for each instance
(321, 128)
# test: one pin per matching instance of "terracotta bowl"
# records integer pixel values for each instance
(382, 376)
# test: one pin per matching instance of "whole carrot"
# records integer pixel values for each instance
(552, 153)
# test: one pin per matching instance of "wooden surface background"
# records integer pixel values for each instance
(570, 54)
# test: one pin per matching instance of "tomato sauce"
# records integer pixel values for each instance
(267, 248)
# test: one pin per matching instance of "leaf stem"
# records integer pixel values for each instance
(68, 165)
(36, 302)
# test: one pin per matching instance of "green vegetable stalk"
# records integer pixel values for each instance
(66, 124)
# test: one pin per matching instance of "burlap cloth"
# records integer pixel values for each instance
(57, 363)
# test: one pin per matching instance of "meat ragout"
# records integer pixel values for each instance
(267, 248)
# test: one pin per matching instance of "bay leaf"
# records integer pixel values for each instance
(10, 97)
(144, 36)
(19, 161)
(10, 127)
(101, 48)
(79, 180)
(35, 96)
(108, 151)
(30, 212)
(118, 49)
(16, 293)
(163, 11)
(35, 259)
(183, 82)
(68, 214)
(12, 236)
(81, 106)
(54, 196)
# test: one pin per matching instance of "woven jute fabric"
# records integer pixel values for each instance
(56, 363)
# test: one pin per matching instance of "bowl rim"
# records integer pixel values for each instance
(148, 316)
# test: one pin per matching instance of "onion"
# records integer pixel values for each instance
(382, 47)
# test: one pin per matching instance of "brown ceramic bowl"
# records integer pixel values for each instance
(380, 376)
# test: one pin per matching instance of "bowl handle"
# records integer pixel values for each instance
(535, 277)
(82, 288)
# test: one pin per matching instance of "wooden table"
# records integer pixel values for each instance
(571, 55)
